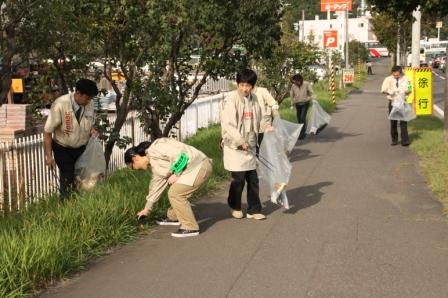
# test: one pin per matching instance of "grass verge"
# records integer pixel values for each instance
(43, 244)
(426, 134)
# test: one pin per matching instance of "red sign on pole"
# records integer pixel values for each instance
(330, 38)
(335, 5)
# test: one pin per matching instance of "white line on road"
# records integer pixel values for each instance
(439, 111)
(436, 74)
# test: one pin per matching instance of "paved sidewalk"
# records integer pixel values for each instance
(363, 224)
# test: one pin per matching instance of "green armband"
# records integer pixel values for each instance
(180, 164)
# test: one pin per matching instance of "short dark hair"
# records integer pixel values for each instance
(87, 87)
(396, 68)
(140, 149)
(297, 79)
(246, 76)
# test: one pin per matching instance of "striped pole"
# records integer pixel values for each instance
(359, 69)
(333, 83)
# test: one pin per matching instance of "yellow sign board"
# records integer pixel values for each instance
(423, 91)
(421, 96)
(17, 85)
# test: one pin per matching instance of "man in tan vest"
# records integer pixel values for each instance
(67, 130)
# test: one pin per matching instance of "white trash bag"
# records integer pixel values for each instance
(401, 110)
(318, 120)
(274, 167)
(90, 167)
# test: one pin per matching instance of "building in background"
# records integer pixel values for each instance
(360, 29)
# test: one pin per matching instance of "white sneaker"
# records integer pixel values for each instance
(257, 216)
(237, 214)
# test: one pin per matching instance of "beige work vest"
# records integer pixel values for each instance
(62, 122)
(269, 106)
(231, 123)
(162, 154)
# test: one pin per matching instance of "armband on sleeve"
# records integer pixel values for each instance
(179, 165)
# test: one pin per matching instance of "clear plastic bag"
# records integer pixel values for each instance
(274, 167)
(401, 110)
(318, 120)
(90, 167)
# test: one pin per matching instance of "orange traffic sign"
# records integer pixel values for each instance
(335, 5)
(330, 38)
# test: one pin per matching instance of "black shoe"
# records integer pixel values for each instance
(181, 233)
(405, 144)
(321, 128)
(394, 143)
(167, 222)
(302, 137)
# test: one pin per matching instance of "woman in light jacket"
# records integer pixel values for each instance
(241, 120)
(173, 163)
(301, 95)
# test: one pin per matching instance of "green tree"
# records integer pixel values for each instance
(290, 56)
(357, 52)
(389, 30)
(13, 18)
(404, 8)
(151, 44)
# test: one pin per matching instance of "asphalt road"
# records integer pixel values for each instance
(438, 88)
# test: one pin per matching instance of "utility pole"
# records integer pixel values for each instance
(346, 39)
(445, 113)
(398, 45)
(303, 25)
(330, 62)
(416, 37)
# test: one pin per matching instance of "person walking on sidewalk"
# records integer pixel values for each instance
(240, 126)
(301, 95)
(173, 163)
(369, 68)
(67, 130)
(392, 86)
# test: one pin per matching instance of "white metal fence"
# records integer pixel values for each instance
(24, 178)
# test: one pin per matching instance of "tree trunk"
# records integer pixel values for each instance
(8, 53)
(445, 113)
(177, 115)
(122, 114)
(62, 83)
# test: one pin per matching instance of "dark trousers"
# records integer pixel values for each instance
(65, 159)
(302, 110)
(394, 129)
(236, 191)
(369, 70)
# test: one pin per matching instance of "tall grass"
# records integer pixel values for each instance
(426, 134)
(44, 243)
